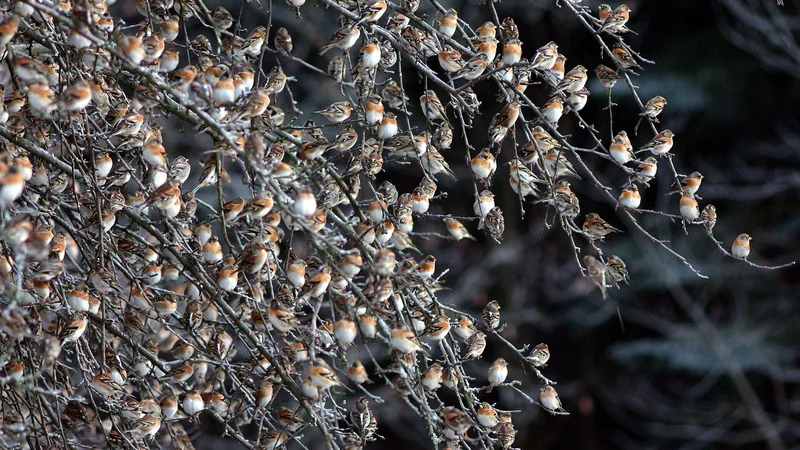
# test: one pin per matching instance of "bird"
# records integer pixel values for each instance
(615, 21)
(709, 217)
(344, 38)
(549, 399)
(483, 204)
(545, 57)
(623, 57)
(539, 356)
(404, 341)
(449, 23)
(646, 171)
(450, 59)
(573, 81)
(596, 228)
(741, 246)
(337, 112)
(323, 376)
(432, 377)
(483, 165)
(660, 145)
(552, 110)
(512, 52)
(597, 272)
(473, 69)
(283, 41)
(608, 77)
(456, 422)
(630, 197)
(487, 415)
(497, 374)
(689, 208)
(491, 315)
(653, 108)
(690, 184)
(621, 149)
(456, 229)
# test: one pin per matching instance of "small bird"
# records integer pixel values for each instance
(741, 246)
(487, 416)
(488, 29)
(370, 54)
(552, 110)
(337, 112)
(75, 329)
(449, 23)
(660, 145)
(689, 208)
(358, 373)
(388, 127)
(557, 165)
(509, 29)
(498, 372)
(690, 184)
(621, 149)
(709, 217)
(456, 229)
(476, 344)
(483, 204)
(578, 99)
(617, 269)
(608, 77)
(630, 197)
(604, 12)
(483, 165)
(512, 52)
(574, 80)
(283, 41)
(193, 403)
(146, 428)
(432, 377)
(404, 341)
(545, 57)
(432, 107)
(539, 356)
(491, 315)
(624, 58)
(646, 171)
(323, 376)
(473, 68)
(495, 223)
(596, 228)
(343, 39)
(597, 273)
(549, 398)
(456, 422)
(450, 59)
(506, 434)
(653, 108)
(615, 20)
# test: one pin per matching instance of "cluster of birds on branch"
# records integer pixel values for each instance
(131, 304)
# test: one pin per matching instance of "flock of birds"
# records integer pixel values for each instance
(131, 305)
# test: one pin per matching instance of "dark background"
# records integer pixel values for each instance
(699, 360)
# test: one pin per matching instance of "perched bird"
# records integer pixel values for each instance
(596, 228)
(741, 246)
(646, 171)
(621, 149)
(653, 108)
(597, 273)
(450, 59)
(456, 422)
(552, 110)
(483, 165)
(323, 376)
(343, 39)
(573, 81)
(615, 21)
(539, 356)
(690, 184)
(624, 58)
(449, 23)
(549, 399)
(473, 68)
(456, 229)
(404, 341)
(630, 197)
(283, 41)
(616, 269)
(689, 208)
(708, 217)
(545, 57)
(487, 416)
(607, 76)
(491, 315)
(660, 145)
(498, 372)
(337, 112)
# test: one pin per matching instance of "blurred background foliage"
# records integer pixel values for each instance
(699, 361)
